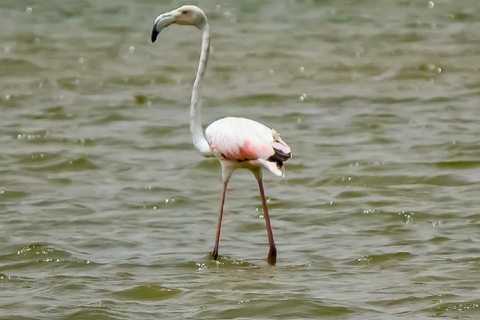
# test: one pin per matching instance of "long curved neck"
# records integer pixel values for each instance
(198, 137)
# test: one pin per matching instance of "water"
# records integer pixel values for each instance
(108, 212)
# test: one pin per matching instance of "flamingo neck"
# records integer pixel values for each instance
(196, 129)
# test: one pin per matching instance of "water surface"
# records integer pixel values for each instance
(108, 212)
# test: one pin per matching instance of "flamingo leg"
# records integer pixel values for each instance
(219, 223)
(272, 254)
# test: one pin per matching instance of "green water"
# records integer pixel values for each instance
(108, 212)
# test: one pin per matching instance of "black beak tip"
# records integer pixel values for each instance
(154, 34)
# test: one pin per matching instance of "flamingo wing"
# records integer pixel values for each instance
(239, 140)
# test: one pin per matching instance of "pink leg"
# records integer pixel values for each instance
(219, 223)
(272, 254)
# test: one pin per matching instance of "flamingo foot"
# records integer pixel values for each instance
(215, 254)
(272, 256)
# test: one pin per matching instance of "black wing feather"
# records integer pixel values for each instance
(279, 157)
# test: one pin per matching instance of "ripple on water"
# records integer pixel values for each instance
(31, 255)
(76, 164)
(458, 164)
(51, 113)
(222, 262)
(6, 194)
(384, 259)
(256, 305)
(447, 180)
(44, 137)
(455, 309)
(410, 303)
(18, 67)
(92, 312)
(348, 194)
(38, 157)
(386, 180)
(147, 292)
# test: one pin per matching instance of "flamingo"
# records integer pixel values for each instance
(235, 142)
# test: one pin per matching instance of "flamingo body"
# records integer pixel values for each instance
(247, 144)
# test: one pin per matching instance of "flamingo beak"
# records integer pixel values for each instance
(163, 21)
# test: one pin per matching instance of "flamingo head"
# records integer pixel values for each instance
(185, 15)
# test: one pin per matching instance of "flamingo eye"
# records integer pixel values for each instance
(184, 12)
